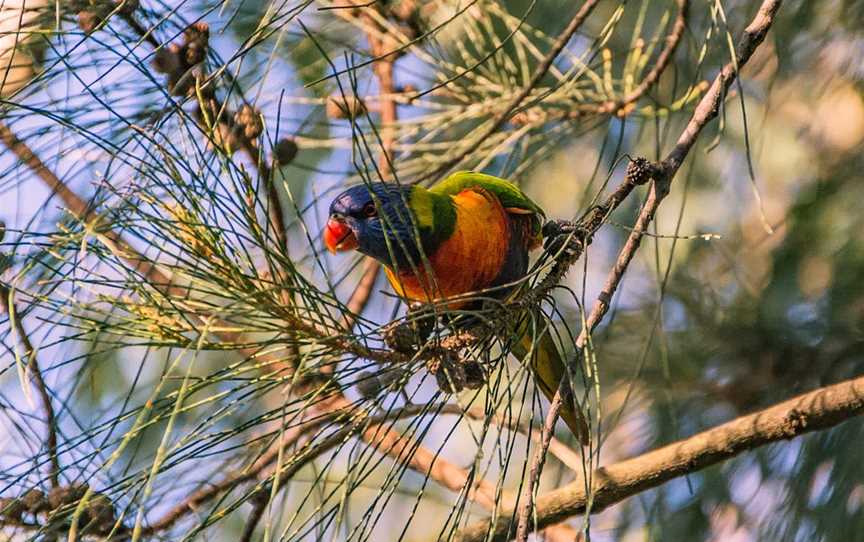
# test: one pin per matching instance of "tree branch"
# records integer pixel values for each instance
(625, 105)
(663, 175)
(373, 431)
(665, 172)
(83, 211)
(36, 374)
(818, 410)
(79, 208)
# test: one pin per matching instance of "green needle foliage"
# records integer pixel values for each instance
(180, 359)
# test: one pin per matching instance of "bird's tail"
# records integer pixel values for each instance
(548, 368)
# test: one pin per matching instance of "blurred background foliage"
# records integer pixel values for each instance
(748, 293)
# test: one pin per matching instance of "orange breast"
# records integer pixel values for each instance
(469, 260)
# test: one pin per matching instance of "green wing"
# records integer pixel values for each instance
(510, 196)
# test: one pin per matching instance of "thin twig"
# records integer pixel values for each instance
(386, 440)
(672, 41)
(423, 461)
(259, 505)
(626, 105)
(387, 109)
(383, 69)
(80, 209)
(197, 499)
(36, 374)
(83, 211)
(362, 292)
(123, 250)
(502, 117)
(707, 109)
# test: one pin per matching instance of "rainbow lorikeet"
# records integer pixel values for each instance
(470, 233)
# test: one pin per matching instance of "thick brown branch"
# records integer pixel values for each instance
(814, 411)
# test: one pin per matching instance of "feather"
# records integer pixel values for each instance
(470, 259)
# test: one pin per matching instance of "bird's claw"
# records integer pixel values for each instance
(558, 232)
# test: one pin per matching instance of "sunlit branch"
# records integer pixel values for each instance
(814, 411)
(662, 175)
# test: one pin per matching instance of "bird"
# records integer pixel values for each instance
(466, 237)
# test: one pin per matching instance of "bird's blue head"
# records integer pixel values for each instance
(369, 217)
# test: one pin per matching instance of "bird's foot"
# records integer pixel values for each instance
(560, 234)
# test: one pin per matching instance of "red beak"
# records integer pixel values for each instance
(338, 236)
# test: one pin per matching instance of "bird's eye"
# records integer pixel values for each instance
(369, 210)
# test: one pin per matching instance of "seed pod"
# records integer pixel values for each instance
(60, 496)
(197, 42)
(640, 171)
(11, 509)
(400, 337)
(100, 513)
(167, 59)
(411, 334)
(448, 370)
(34, 501)
(249, 119)
(368, 384)
(285, 151)
(474, 375)
(343, 107)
